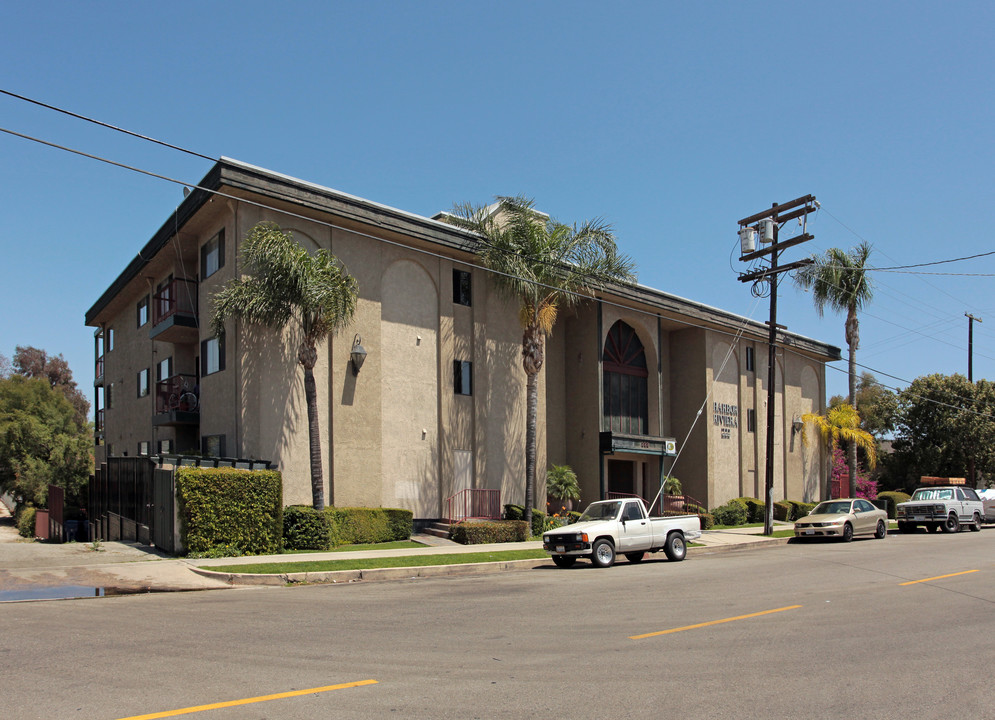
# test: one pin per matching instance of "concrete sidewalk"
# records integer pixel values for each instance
(130, 567)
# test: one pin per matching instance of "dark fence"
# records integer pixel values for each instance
(121, 500)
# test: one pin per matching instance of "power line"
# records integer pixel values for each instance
(106, 125)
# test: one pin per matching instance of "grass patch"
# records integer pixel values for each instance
(279, 568)
(395, 545)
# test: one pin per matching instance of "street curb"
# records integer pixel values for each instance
(336, 577)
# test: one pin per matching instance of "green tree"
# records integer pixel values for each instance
(839, 279)
(41, 441)
(35, 363)
(841, 424)
(941, 418)
(878, 406)
(562, 484)
(285, 287)
(544, 265)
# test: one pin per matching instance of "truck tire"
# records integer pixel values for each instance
(847, 532)
(882, 530)
(951, 524)
(603, 554)
(635, 557)
(976, 525)
(564, 561)
(676, 549)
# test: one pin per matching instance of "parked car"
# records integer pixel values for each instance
(946, 508)
(843, 519)
(611, 527)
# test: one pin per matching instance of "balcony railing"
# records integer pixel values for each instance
(474, 504)
(179, 296)
(177, 393)
(98, 421)
(98, 371)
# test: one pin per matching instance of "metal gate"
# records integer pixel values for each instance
(164, 510)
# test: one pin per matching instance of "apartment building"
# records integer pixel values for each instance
(437, 406)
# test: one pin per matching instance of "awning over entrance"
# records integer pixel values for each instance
(611, 443)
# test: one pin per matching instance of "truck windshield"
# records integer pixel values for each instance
(600, 511)
(933, 494)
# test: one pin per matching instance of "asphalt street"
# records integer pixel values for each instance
(821, 630)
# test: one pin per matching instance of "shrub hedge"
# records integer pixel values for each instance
(26, 522)
(800, 509)
(733, 512)
(355, 525)
(782, 511)
(479, 533)
(893, 497)
(755, 509)
(305, 528)
(517, 512)
(239, 510)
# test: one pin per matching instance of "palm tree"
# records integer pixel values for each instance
(283, 286)
(842, 423)
(544, 265)
(839, 279)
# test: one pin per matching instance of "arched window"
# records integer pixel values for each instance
(624, 374)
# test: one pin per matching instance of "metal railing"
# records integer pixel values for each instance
(179, 392)
(474, 504)
(666, 503)
(178, 296)
(98, 370)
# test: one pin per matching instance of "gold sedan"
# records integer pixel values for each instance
(843, 519)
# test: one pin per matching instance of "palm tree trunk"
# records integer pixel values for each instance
(314, 433)
(852, 449)
(531, 413)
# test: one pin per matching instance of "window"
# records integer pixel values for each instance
(462, 288)
(213, 445)
(143, 382)
(751, 361)
(109, 396)
(164, 369)
(751, 420)
(110, 339)
(212, 255)
(143, 311)
(463, 377)
(143, 447)
(164, 446)
(624, 382)
(212, 356)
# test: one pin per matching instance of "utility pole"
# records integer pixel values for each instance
(970, 378)
(767, 224)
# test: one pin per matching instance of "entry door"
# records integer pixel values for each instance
(621, 476)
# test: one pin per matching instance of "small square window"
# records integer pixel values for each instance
(212, 356)
(751, 363)
(110, 339)
(462, 287)
(213, 445)
(109, 397)
(143, 382)
(164, 446)
(212, 255)
(463, 377)
(164, 369)
(751, 420)
(143, 447)
(143, 311)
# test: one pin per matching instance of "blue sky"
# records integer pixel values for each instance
(670, 120)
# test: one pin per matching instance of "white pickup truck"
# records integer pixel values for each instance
(941, 508)
(620, 527)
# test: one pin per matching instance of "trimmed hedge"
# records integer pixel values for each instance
(782, 511)
(517, 512)
(26, 522)
(893, 497)
(305, 528)
(236, 511)
(733, 512)
(354, 525)
(479, 533)
(756, 511)
(800, 509)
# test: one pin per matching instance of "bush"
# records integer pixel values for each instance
(305, 528)
(517, 512)
(893, 497)
(707, 521)
(732, 513)
(756, 511)
(800, 509)
(228, 507)
(26, 522)
(782, 511)
(478, 533)
(350, 526)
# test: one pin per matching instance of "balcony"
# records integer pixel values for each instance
(177, 401)
(174, 313)
(98, 372)
(98, 423)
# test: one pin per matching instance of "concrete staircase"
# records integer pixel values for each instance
(437, 529)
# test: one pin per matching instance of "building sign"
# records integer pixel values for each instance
(726, 417)
(611, 443)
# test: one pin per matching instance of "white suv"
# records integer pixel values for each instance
(941, 508)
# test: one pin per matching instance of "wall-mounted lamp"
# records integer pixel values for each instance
(358, 354)
(796, 425)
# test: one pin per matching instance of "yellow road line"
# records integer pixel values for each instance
(712, 622)
(938, 577)
(248, 701)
